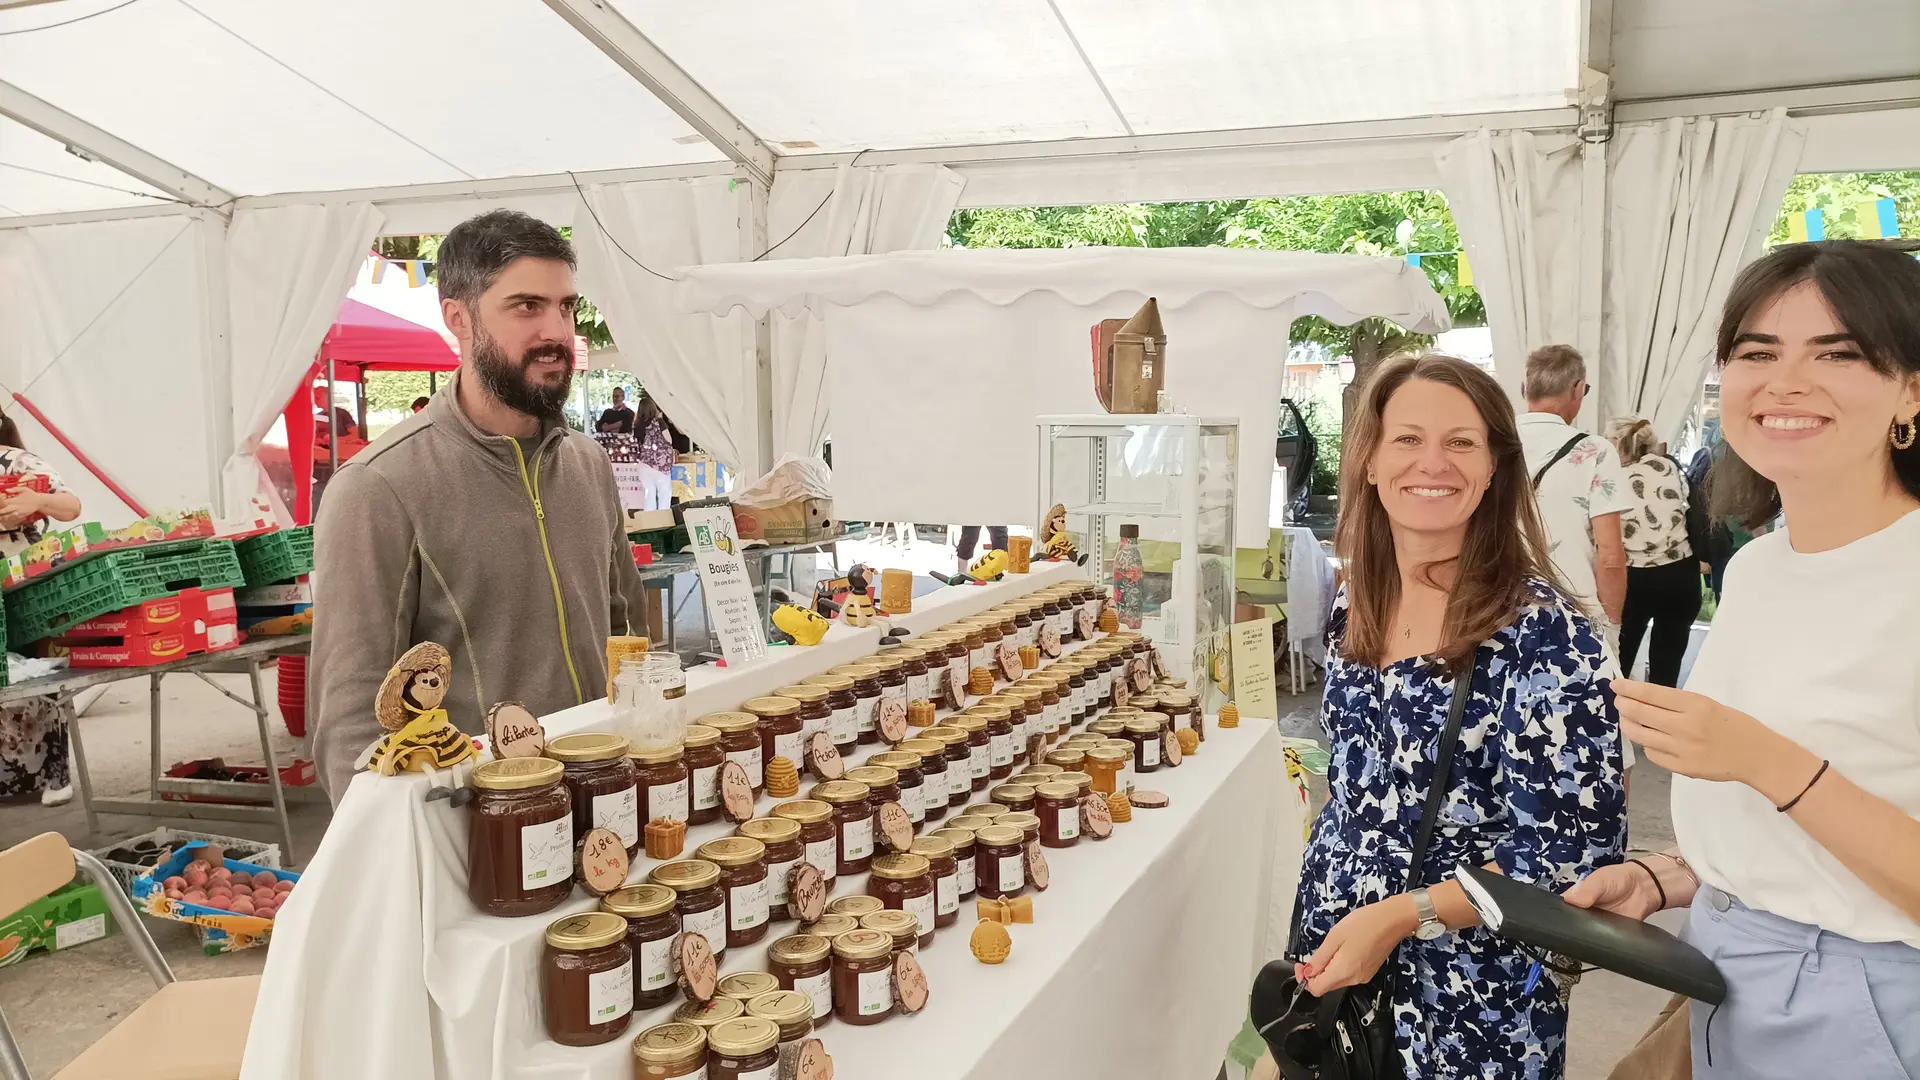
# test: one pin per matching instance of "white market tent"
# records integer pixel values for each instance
(188, 186)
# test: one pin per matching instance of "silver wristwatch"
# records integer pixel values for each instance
(1430, 925)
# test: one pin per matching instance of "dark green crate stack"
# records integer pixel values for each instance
(96, 585)
(276, 557)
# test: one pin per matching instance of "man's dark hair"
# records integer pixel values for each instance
(477, 249)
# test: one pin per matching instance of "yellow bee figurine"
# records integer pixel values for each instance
(420, 736)
(803, 625)
(1054, 538)
(990, 566)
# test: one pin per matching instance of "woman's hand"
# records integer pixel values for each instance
(18, 508)
(1694, 735)
(1357, 945)
(1624, 889)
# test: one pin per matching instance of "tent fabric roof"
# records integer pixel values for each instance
(368, 337)
(319, 95)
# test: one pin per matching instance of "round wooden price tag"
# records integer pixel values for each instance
(600, 865)
(806, 892)
(698, 972)
(1037, 872)
(513, 731)
(736, 791)
(1096, 817)
(824, 758)
(909, 983)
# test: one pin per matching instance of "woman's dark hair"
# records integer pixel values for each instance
(1874, 290)
(10, 433)
(1505, 544)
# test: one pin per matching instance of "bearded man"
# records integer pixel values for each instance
(481, 522)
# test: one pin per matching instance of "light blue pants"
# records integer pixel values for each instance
(1801, 1001)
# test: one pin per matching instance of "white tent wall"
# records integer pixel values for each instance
(845, 211)
(103, 326)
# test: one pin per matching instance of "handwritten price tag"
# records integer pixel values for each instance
(603, 862)
(513, 731)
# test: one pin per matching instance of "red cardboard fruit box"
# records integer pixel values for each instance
(139, 650)
(186, 609)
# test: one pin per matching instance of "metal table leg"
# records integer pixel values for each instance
(260, 716)
(153, 736)
(80, 774)
(673, 635)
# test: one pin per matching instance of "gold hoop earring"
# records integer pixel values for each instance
(1902, 435)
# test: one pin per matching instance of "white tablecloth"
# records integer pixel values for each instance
(1138, 964)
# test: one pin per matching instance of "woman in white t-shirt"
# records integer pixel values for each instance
(1797, 741)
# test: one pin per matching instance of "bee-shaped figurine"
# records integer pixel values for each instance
(799, 625)
(420, 737)
(857, 608)
(989, 566)
(1054, 539)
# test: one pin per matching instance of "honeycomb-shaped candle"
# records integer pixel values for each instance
(980, 682)
(1229, 715)
(1030, 657)
(1120, 806)
(783, 778)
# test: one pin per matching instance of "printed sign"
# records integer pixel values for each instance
(1253, 688)
(731, 609)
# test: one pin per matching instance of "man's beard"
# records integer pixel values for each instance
(512, 384)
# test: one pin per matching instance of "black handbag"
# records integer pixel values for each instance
(1348, 1034)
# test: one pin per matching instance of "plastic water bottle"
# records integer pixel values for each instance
(1129, 578)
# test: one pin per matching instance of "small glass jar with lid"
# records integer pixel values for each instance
(819, 837)
(743, 1048)
(1145, 734)
(1181, 701)
(954, 651)
(779, 727)
(803, 963)
(1104, 764)
(978, 655)
(945, 871)
(743, 874)
(663, 783)
(979, 748)
(1033, 726)
(701, 902)
(600, 779)
(1013, 797)
(703, 774)
(904, 881)
(744, 986)
(792, 1012)
(652, 924)
(1027, 822)
(934, 790)
(520, 838)
(587, 979)
(1046, 692)
(1127, 772)
(670, 1052)
(1025, 630)
(914, 668)
(1000, 862)
(893, 689)
(862, 977)
(711, 1014)
(976, 822)
(1016, 707)
(901, 926)
(781, 836)
(1082, 782)
(999, 739)
(866, 694)
(852, 822)
(883, 784)
(1043, 769)
(858, 906)
(1057, 806)
(906, 767)
(1067, 759)
(1077, 693)
(963, 847)
(1108, 728)
(740, 740)
(843, 726)
(959, 755)
(816, 713)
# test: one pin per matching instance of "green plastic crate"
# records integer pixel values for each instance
(100, 584)
(274, 557)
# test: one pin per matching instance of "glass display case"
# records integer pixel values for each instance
(1167, 482)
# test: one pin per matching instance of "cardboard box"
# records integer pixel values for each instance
(799, 521)
(277, 621)
(188, 608)
(221, 930)
(699, 476)
(288, 594)
(301, 773)
(72, 915)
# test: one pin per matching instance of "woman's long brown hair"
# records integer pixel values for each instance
(1505, 543)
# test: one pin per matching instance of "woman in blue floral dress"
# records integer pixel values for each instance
(1445, 566)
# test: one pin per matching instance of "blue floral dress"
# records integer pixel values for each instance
(1536, 788)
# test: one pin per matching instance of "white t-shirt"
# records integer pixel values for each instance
(1821, 648)
(1585, 484)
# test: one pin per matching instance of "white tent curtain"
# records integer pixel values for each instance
(1517, 199)
(288, 269)
(1691, 201)
(700, 367)
(843, 211)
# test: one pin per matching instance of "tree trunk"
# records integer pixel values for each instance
(1367, 354)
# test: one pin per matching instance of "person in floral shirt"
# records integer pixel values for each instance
(33, 734)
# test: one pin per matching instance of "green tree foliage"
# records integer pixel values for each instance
(587, 320)
(1839, 195)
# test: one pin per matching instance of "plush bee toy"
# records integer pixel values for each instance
(420, 737)
(798, 625)
(991, 566)
(1055, 540)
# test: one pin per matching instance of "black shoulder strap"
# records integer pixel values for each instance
(1442, 770)
(1555, 459)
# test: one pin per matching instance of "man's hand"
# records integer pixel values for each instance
(1357, 945)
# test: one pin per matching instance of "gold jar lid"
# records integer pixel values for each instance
(783, 1007)
(516, 774)
(715, 1012)
(1143, 701)
(892, 759)
(1179, 699)
(685, 875)
(1004, 700)
(855, 906)
(1028, 694)
(1077, 779)
(923, 748)
(1019, 819)
(585, 746)
(960, 838)
(900, 867)
(981, 809)
(639, 901)
(1108, 755)
(655, 755)
(770, 830)
(747, 985)
(804, 811)
(1058, 790)
(830, 926)
(932, 847)
(1107, 727)
(1045, 770)
(945, 734)
(858, 671)
(731, 723)
(839, 791)
(771, 705)
(1125, 746)
(743, 1036)
(732, 851)
(701, 735)
(874, 776)
(898, 925)
(799, 949)
(1143, 726)
(906, 652)
(1010, 794)
(975, 636)
(806, 693)
(1066, 759)
(968, 722)
(972, 821)
(587, 930)
(829, 681)
(989, 712)
(999, 836)
(1029, 778)
(863, 945)
(670, 1044)
(885, 662)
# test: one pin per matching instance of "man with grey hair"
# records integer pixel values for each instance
(480, 522)
(1577, 481)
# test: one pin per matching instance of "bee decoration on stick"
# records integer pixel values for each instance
(420, 736)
